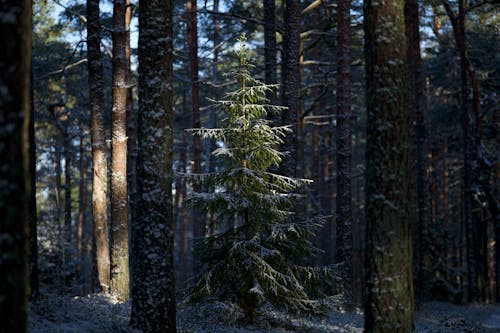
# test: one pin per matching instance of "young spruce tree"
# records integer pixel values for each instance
(255, 253)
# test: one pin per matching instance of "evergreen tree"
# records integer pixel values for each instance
(256, 250)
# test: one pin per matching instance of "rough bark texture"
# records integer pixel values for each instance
(153, 292)
(416, 88)
(389, 294)
(291, 85)
(131, 124)
(343, 133)
(119, 195)
(15, 64)
(99, 179)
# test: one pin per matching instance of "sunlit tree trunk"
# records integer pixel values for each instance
(389, 298)
(153, 292)
(99, 164)
(15, 69)
(119, 195)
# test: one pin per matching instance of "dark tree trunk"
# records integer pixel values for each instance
(291, 84)
(389, 298)
(119, 196)
(131, 125)
(99, 164)
(458, 24)
(33, 222)
(153, 291)
(270, 47)
(344, 152)
(15, 69)
(81, 204)
(192, 41)
(67, 192)
(416, 88)
(58, 208)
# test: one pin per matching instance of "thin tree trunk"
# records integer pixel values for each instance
(153, 291)
(344, 152)
(58, 208)
(458, 24)
(67, 191)
(416, 88)
(81, 205)
(270, 48)
(15, 191)
(99, 164)
(33, 222)
(192, 41)
(120, 284)
(131, 125)
(291, 84)
(389, 299)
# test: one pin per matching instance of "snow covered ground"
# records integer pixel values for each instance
(102, 313)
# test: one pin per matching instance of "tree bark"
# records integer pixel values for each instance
(99, 178)
(33, 221)
(119, 197)
(416, 88)
(389, 298)
(15, 69)
(131, 124)
(270, 48)
(192, 41)
(344, 152)
(291, 84)
(458, 25)
(67, 192)
(153, 291)
(81, 205)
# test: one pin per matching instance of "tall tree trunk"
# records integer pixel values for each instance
(67, 192)
(291, 84)
(215, 80)
(15, 69)
(344, 152)
(99, 164)
(270, 48)
(131, 124)
(81, 204)
(416, 98)
(458, 24)
(33, 222)
(153, 291)
(192, 41)
(119, 196)
(58, 208)
(389, 299)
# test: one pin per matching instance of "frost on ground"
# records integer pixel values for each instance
(102, 313)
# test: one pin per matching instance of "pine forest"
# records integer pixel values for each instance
(237, 166)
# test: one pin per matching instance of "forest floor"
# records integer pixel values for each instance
(100, 313)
